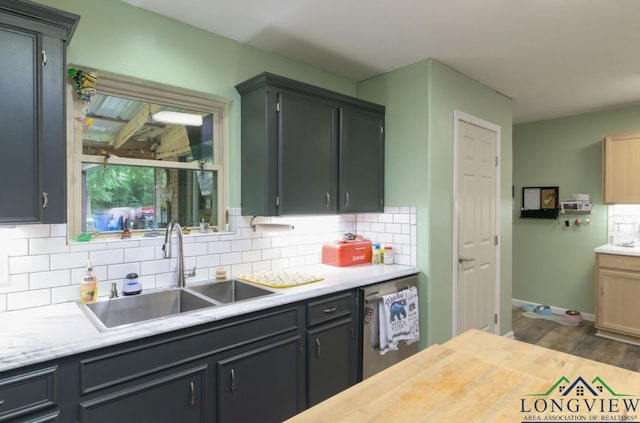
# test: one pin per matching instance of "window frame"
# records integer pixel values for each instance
(147, 91)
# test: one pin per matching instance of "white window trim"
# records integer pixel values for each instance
(137, 89)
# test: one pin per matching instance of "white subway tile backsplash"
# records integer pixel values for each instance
(140, 254)
(48, 245)
(32, 231)
(261, 243)
(41, 280)
(210, 260)
(63, 294)
(32, 298)
(251, 256)
(43, 269)
(393, 228)
(271, 253)
(59, 229)
(119, 271)
(238, 269)
(230, 258)
(16, 283)
(219, 247)
(241, 245)
(154, 266)
(191, 250)
(27, 264)
(18, 247)
(102, 257)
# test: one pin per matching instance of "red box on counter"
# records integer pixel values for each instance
(342, 253)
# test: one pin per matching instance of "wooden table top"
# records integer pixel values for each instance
(480, 377)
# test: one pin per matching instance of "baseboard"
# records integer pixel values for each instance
(555, 310)
(510, 334)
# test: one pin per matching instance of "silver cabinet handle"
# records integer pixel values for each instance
(233, 381)
(1, 402)
(346, 199)
(192, 400)
(327, 199)
(317, 348)
(464, 259)
(329, 310)
(45, 200)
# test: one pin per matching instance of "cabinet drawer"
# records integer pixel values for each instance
(123, 364)
(329, 308)
(27, 393)
(619, 262)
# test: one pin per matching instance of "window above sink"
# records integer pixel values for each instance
(130, 168)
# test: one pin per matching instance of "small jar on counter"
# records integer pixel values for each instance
(387, 257)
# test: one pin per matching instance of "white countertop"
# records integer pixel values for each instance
(40, 334)
(616, 249)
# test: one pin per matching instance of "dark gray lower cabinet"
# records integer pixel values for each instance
(329, 360)
(177, 397)
(259, 367)
(262, 384)
(331, 346)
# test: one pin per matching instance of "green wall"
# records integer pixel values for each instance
(117, 37)
(554, 264)
(420, 101)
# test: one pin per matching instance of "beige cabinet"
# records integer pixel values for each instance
(617, 294)
(620, 170)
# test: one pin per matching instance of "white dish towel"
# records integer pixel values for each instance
(399, 319)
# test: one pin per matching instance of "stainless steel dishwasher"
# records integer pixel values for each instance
(372, 360)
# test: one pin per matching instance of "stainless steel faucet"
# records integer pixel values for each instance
(166, 253)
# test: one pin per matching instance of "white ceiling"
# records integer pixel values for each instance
(554, 58)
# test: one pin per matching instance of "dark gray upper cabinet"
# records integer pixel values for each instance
(307, 150)
(33, 168)
(361, 160)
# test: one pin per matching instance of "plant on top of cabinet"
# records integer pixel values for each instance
(32, 61)
(308, 150)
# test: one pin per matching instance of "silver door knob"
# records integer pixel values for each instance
(464, 259)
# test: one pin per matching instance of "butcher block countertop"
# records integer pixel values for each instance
(480, 377)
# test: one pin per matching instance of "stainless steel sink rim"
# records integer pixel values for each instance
(95, 311)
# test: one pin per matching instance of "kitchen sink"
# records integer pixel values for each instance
(123, 311)
(230, 291)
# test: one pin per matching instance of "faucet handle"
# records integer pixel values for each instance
(114, 291)
(190, 273)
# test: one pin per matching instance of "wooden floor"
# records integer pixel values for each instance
(576, 340)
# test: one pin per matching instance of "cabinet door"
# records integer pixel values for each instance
(621, 173)
(330, 353)
(19, 94)
(617, 301)
(179, 397)
(307, 166)
(361, 161)
(262, 384)
(53, 147)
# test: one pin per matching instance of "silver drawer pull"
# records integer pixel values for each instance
(317, 348)
(329, 310)
(45, 200)
(192, 401)
(1, 402)
(233, 381)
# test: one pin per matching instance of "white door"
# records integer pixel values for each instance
(475, 291)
